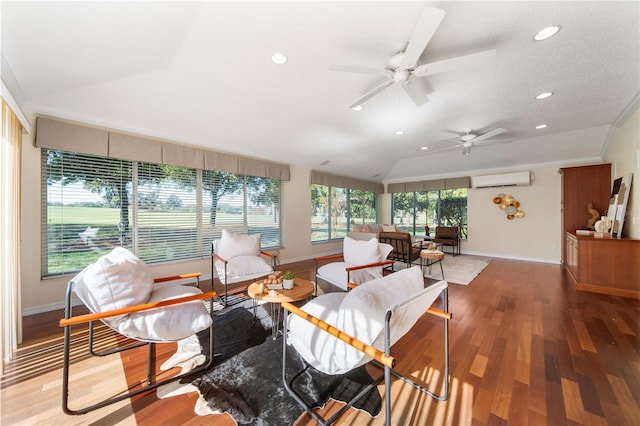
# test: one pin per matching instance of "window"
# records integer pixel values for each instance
(412, 211)
(162, 213)
(336, 210)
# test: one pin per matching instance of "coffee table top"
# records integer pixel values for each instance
(431, 254)
(301, 289)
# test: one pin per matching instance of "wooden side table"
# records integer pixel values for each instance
(430, 257)
(301, 290)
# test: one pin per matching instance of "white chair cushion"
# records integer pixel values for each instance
(360, 313)
(166, 324)
(243, 268)
(233, 244)
(116, 280)
(336, 272)
(363, 311)
(313, 344)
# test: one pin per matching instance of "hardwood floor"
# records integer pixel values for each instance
(525, 349)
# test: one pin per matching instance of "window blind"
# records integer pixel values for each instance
(161, 212)
(88, 209)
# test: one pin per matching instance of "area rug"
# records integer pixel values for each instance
(461, 269)
(246, 378)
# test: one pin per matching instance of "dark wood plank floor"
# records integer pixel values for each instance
(525, 349)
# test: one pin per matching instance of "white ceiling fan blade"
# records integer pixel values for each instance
(416, 93)
(425, 28)
(372, 93)
(359, 70)
(492, 142)
(444, 149)
(474, 60)
(489, 135)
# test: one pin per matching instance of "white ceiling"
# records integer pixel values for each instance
(200, 73)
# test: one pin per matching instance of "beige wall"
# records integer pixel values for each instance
(624, 156)
(535, 237)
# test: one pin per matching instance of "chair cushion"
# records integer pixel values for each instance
(336, 272)
(313, 344)
(166, 324)
(243, 267)
(233, 244)
(116, 280)
(360, 313)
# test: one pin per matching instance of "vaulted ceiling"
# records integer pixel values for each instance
(200, 73)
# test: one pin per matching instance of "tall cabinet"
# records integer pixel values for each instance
(603, 265)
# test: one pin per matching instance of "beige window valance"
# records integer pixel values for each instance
(74, 137)
(430, 185)
(327, 179)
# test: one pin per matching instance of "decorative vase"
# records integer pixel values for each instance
(287, 284)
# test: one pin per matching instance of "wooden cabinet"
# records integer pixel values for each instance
(580, 186)
(571, 261)
(603, 265)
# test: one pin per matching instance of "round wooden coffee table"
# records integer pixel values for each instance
(429, 258)
(301, 290)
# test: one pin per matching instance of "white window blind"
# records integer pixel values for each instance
(88, 209)
(161, 212)
(166, 226)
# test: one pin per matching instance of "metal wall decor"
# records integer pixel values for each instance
(509, 206)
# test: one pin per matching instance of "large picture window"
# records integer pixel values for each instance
(412, 211)
(336, 210)
(161, 212)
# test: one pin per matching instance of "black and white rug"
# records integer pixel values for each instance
(246, 378)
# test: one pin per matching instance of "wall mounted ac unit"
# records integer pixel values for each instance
(503, 179)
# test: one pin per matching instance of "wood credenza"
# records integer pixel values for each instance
(604, 265)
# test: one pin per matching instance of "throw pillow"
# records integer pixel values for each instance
(389, 228)
(359, 252)
(116, 280)
(233, 244)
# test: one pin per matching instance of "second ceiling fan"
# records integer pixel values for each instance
(403, 68)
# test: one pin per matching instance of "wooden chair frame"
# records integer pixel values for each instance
(380, 358)
(69, 320)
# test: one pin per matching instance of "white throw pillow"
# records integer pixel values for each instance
(114, 281)
(359, 252)
(389, 228)
(233, 244)
(166, 324)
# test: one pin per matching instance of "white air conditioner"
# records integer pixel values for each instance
(503, 179)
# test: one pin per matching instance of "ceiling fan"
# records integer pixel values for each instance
(469, 139)
(403, 68)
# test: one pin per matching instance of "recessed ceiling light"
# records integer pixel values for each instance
(541, 126)
(279, 58)
(546, 33)
(544, 95)
(424, 148)
(357, 108)
(399, 132)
